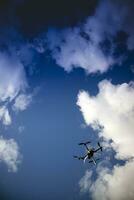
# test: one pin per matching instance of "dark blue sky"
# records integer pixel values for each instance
(55, 69)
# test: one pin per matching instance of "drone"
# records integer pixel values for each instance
(90, 153)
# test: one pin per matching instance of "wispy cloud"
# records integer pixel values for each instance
(12, 77)
(9, 153)
(12, 82)
(4, 116)
(13, 85)
(111, 113)
(21, 128)
(110, 17)
(15, 56)
(22, 102)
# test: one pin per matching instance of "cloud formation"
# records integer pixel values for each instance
(111, 113)
(13, 84)
(116, 184)
(15, 55)
(71, 50)
(92, 45)
(22, 102)
(9, 153)
(12, 77)
(112, 16)
(4, 116)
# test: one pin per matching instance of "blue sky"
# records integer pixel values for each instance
(66, 76)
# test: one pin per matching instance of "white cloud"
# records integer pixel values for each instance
(22, 102)
(113, 109)
(70, 49)
(111, 185)
(76, 51)
(13, 84)
(4, 116)
(12, 77)
(9, 153)
(82, 47)
(85, 181)
(111, 113)
(110, 17)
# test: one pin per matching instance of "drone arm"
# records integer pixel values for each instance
(100, 148)
(93, 161)
(97, 149)
(86, 147)
(80, 157)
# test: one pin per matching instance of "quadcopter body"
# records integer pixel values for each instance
(90, 153)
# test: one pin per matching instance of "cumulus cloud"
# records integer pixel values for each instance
(90, 45)
(80, 46)
(111, 185)
(111, 113)
(9, 153)
(22, 102)
(71, 50)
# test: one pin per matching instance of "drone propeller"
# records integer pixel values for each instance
(79, 157)
(84, 143)
(98, 144)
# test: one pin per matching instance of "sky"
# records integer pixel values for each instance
(66, 76)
